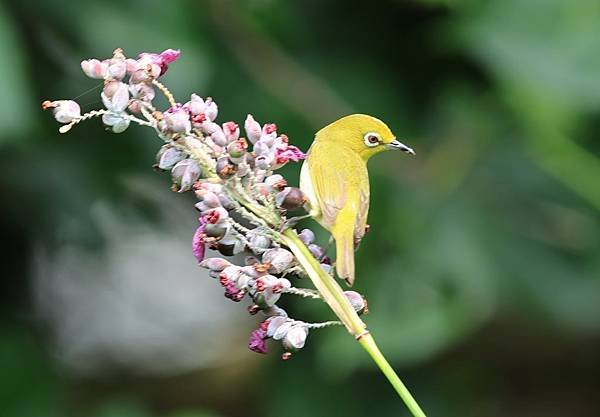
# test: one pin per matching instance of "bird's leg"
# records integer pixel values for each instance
(289, 223)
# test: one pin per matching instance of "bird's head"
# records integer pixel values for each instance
(364, 134)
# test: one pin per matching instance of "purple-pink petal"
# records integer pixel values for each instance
(198, 246)
(290, 153)
(257, 341)
(169, 55)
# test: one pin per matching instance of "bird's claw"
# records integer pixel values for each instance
(292, 222)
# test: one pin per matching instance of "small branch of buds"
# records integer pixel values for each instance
(242, 204)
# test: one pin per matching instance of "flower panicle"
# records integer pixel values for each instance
(242, 203)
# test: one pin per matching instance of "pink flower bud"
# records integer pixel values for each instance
(115, 96)
(218, 136)
(216, 215)
(142, 91)
(159, 62)
(316, 251)
(295, 338)
(215, 264)
(216, 231)
(263, 162)
(237, 150)
(274, 323)
(118, 123)
(196, 105)
(230, 273)
(94, 68)
(132, 65)
(198, 246)
(139, 76)
(275, 182)
(208, 127)
(211, 109)
(307, 236)
(177, 120)
(209, 198)
(185, 173)
(251, 271)
(253, 129)
(231, 131)
(260, 148)
(168, 156)
(169, 56)
(279, 259)
(65, 111)
(225, 168)
(270, 129)
(117, 69)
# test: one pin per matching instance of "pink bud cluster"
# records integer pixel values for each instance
(242, 203)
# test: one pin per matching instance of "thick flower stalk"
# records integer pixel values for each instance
(243, 204)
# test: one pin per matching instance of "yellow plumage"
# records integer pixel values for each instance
(335, 179)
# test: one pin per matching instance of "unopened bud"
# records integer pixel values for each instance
(94, 68)
(225, 168)
(217, 135)
(317, 251)
(253, 129)
(196, 105)
(177, 120)
(216, 231)
(215, 264)
(231, 131)
(291, 198)
(118, 123)
(275, 182)
(307, 236)
(65, 111)
(237, 150)
(356, 301)
(295, 338)
(185, 173)
(259, 241)
(115, 96)
(211, 109)
(168, 156)
(279, 259)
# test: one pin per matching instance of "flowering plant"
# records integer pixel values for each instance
(243, 204)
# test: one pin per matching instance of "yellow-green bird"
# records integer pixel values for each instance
(335, 180)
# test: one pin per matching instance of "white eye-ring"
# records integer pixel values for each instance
(372, 139)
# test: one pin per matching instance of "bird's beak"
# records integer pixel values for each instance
(397, 145)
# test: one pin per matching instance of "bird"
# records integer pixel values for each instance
(335, 181)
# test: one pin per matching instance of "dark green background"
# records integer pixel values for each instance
(482, 267)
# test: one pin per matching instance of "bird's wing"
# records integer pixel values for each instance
(342, 189)
(330, 184)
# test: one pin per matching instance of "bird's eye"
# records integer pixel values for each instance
(372, 139)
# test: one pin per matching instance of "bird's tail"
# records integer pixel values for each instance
(344, 264)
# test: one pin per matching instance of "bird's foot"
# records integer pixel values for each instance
(289, 223)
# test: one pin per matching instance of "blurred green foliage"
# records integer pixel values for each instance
(483, 264)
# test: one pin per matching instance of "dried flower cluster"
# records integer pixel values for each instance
(243, 204)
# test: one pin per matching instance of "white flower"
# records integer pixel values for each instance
(115, 96)
(94, 68)
(65, 111)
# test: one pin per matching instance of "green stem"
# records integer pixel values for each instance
(368, 344)
(333, 294)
